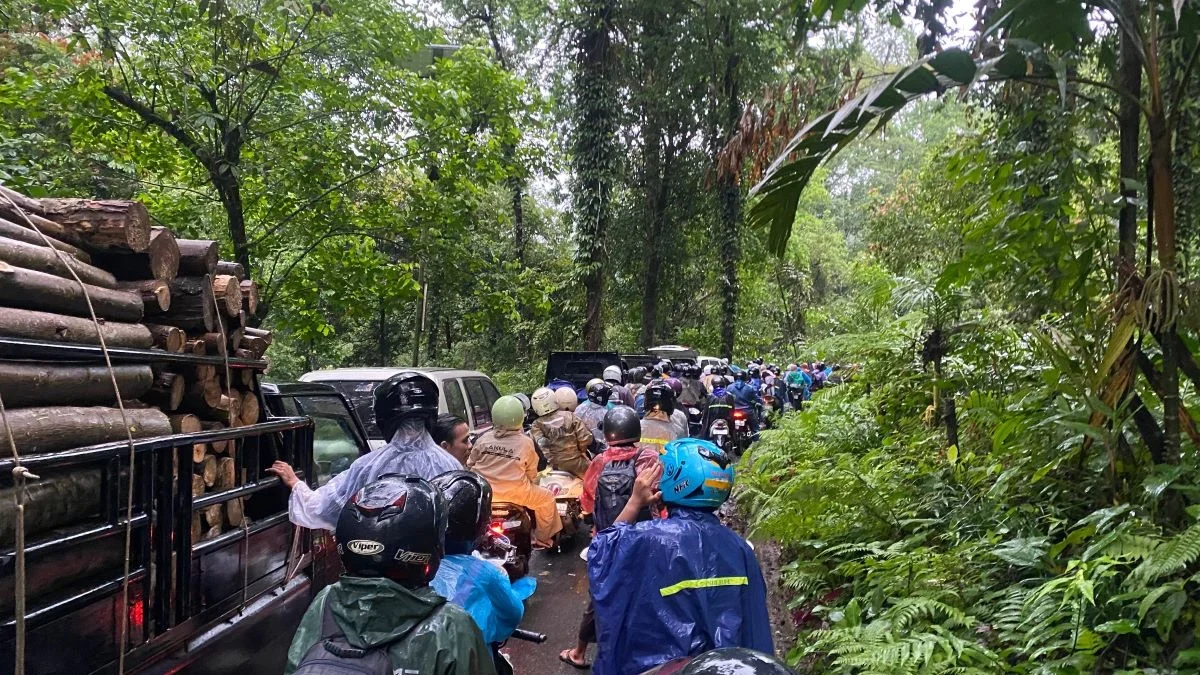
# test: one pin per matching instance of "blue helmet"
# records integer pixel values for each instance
(696, 473)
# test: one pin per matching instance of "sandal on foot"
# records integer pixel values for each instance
(565, 657)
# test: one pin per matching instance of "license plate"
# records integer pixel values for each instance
(510, 524)
(562, 509)
(740, 424)
(720, 432)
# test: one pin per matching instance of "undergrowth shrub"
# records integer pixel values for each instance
(1040, 543)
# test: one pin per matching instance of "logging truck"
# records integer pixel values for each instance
(217, 576)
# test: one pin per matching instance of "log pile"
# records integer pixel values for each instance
(61, 260)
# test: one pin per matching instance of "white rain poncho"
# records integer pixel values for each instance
(411, 452)
(679, 420)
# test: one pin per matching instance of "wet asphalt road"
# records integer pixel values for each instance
(554, 609)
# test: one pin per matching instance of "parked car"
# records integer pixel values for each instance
(674, 352)
(703, 360)
(466, 393)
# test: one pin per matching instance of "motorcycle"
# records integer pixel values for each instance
(695, 421)
(796, 396)
(718, 433)
(508, 543)
(741, 435)
(503, 664)
(567, 489)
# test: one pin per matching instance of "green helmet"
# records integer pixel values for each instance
(508, 413)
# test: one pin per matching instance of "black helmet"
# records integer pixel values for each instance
(393, 528)
(742, 375)
(599, 393)
(621, 426)
(660, 395)
(754, 370)
(654, 373)
(635, 374)
(405, 395)
(720, 381)
(735, 661)
(468, 508)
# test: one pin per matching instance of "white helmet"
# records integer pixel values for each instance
(543, 402)
(611, 374)
(567, 399)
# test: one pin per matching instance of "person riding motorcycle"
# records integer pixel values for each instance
(747, 398)
(606, 488)
(481, 588)
(633, 383)
(679, 417)
(591, 412)
(678, 586)
(507, 459)
(406, 406)
(564, 440)
(653, 375)
(381, 615)
(719, 406)
(614, 376)
(566, 398)
(657, 428)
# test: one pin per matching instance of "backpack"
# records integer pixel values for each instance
(334, 655)
(613, 490)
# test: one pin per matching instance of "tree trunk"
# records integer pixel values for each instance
(230, 192)
(167, 391)
(25, 384)
(29, 289)
(728, 240)
(595, 156)
(12, 230)
(28, 214)
(168, 338)
(160, 260)
(50, 502)
(191, 305)
(197, 257)
(1129, 80)
(104, 224)
(156, 294)
(652, 219)
(24, 323)
(51, 429)
(249, 297)
(42, 259)
(232, 269)
(228, 292)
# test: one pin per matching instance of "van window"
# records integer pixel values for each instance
(482, 394)
(335, 446)
(454, 399)
(361, 395)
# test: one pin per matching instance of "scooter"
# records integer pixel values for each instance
(695, 421)
(503, 665)
(567, 489)
(741, 435)
(508, 543)
(718, 433)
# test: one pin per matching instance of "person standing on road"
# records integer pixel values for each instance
(506, 458)
(606, 488)
(559, 434)
(381, 615)
(679, 586)
(406, 405)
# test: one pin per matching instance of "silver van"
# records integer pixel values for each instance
(466, 393)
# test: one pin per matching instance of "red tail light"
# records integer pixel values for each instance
(497, 527)
(739, 414)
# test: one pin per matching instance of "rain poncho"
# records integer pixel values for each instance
(564, 440)
(679, 420)
(507, 459)
(677, 587)
(424, 633)
(657, 430)
(485, 592)
(411, 452)
(592, 415)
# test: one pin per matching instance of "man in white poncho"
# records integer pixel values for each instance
(405, 406)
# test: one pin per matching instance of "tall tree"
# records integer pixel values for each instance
(595, 157)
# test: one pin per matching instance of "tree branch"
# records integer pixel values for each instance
(154, 118)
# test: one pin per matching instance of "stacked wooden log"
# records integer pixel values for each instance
(63, 260)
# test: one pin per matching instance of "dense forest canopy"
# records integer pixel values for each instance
(992, 206)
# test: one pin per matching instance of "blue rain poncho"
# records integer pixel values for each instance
(485, 592)
(411, 452)
(664, 589)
